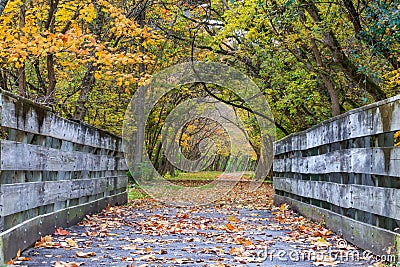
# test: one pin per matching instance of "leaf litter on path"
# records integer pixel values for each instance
(241, 229)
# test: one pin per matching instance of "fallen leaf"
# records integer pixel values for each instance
(321, 242)
(182, 261)
(248, 243)
(60, 231)
(24, 259)
(85, 254)
(236, 251)
(146, 258)
(233, 219)
(129, 247)
(283, 207)
(46, 242)
(72, 243)
(231, 228)
(67, 264)
(325, 263)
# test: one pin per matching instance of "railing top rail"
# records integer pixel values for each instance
(344, 115)
(374, 119)
(48, 109)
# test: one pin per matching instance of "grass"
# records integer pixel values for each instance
(194, 176)
(136, 192)
(202, 176)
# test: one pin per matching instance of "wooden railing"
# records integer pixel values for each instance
(346, 172)
(53, 172)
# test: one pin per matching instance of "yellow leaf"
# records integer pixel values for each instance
(120, 81)
(72, 242)
(283, 207)
(146, 33)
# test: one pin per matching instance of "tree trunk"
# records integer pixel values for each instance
(51, 74)
(329, 85)
(141, 124)
(333, 94)
(354, 17)
(21, 71)
(340, 58)
(3, 79)
(86, 85)
(41, 81)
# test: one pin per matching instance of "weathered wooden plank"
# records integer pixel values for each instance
(340, 148)
(27, 233)
(377, 200)
(377, 161)
(13, 177)
(366, 236)
(19, 156)
(57, 157)
(369, 120)
(26, 196)
(24, 115)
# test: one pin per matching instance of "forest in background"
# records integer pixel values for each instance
(311, 59)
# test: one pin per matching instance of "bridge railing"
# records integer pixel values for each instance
(346, 172)
(52, 172)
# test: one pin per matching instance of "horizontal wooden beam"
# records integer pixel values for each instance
(365, 236)
(73, 169)
(377, 118)
(377, 161)
(19, 156)
(25, 196)
(21, 114)
(377, 200)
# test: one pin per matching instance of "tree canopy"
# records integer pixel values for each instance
(311, 59)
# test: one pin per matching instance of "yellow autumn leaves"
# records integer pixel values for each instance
(397, 139)
(72, 37)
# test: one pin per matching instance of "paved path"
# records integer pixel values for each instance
(241, 230)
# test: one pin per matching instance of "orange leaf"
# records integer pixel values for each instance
(230, 228)
(24, 259)
(45, 241)
(235, 251)
(248, 243)
(60, 231)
